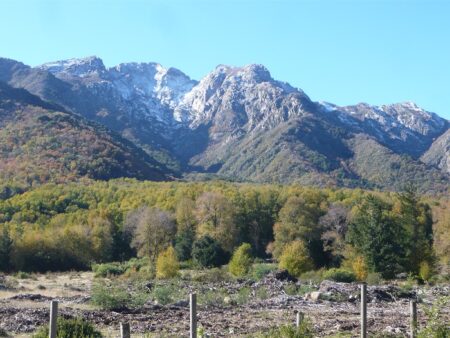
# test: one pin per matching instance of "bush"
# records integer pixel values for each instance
(374, 278)
(167, 265)
(295, 258)
(115, 296)
(262, 293)
(212, 276)
(243, 295)
(112, 297)
(425, 271)
(70, 328)
(108, 269)
(262, 269)
(294, 290)
(213, 297)
(241, 262)
(359, 267)
(207, 253)
(22, 275)
(313, 276)
(165, 294)
(339, 275)
(436, 326)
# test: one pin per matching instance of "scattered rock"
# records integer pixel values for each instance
(32, 297)
(181, 303)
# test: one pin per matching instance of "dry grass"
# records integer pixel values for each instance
(50, 285)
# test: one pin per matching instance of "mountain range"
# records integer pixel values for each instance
(236, 123)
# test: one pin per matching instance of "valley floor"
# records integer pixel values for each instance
(24, 306)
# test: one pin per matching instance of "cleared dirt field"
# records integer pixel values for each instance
(24, 306)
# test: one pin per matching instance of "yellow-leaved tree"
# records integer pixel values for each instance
(167, 264)
(242, 260)
(295, 258)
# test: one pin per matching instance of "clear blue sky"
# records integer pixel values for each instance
(339, 51)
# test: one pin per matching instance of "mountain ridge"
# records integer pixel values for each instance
(204, 126)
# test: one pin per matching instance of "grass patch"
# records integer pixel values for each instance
(70, 328)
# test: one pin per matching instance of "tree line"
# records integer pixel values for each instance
(71, 226)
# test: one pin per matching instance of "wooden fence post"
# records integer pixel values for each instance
(125, 330)
(413, 318)
(299, 319)
(53, 319)
(363, 310)
(193, 315)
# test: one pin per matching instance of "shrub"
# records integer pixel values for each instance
(262, 269)
(165, 294)
(373, 278)
(313, 276)
(167, 265)
(339, 275)
(293, 290)
(243, 295)
(213, 275)
(207, 252)
(436, 326)
(22, 275)
(262, 293)
(425, 271)
(295, 258)
(110, 297)
(241, 262)
(359, 267)
(70, 328)
(108, 269)
(213, 297)
(118, 296)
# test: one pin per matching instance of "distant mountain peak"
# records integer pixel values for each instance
(77, 67)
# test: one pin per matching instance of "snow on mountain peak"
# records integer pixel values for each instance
(76, 67)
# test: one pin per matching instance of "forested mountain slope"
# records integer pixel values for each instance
(40, 142)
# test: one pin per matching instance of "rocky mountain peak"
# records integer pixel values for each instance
(415, 118)
(81, 67)
(256, 73)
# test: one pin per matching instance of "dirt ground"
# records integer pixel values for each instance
(24, 306)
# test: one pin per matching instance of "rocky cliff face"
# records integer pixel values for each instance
(439, 153)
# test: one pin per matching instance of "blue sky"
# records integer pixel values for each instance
(343, 52)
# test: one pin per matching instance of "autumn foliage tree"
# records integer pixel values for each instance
(241, 261)
(295, 258)
(167, 264)
(152, 230)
